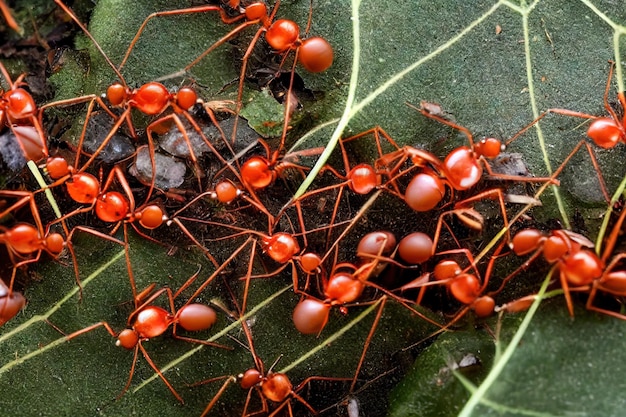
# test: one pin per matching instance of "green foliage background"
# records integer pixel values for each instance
(494, 82)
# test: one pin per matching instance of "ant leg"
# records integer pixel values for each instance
(195, 241)
(6, 12)
(218, 270)
(105, 236)
(210, 49)
(216, 397)
(377, 131)
(612, 241)
(156, 369)
(594, 162)
(446, 122)
(71, 14)
(190, 10)
(23, 198)
(607, 105)
(368, 340)
(242, 77)
(244, 303)
(123, 117)
(566, 292)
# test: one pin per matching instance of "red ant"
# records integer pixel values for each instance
(579, 267)
(114, 207)
(148, 321)
(605, 132)
(360, 178)
(18, 111)
(347, 282)
(274, 387)
(23, 239)
(464, 286)
(226, 192)
(152, 99)
(315, 54)
(283, 248)
(460, 171)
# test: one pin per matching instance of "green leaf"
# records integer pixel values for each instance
(493, 65)
(549, 374)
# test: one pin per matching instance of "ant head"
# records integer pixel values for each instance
(186, 98)
(128, 339)
(310, 262)
(57, 167)
(488, 147)
(117, 94)
(55, 243)
(484, 306)
(276, 387)
(151, 217)
(282, 34)
(226, 192)
(250, 378)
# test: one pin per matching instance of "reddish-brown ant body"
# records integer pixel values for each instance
(461, 170)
